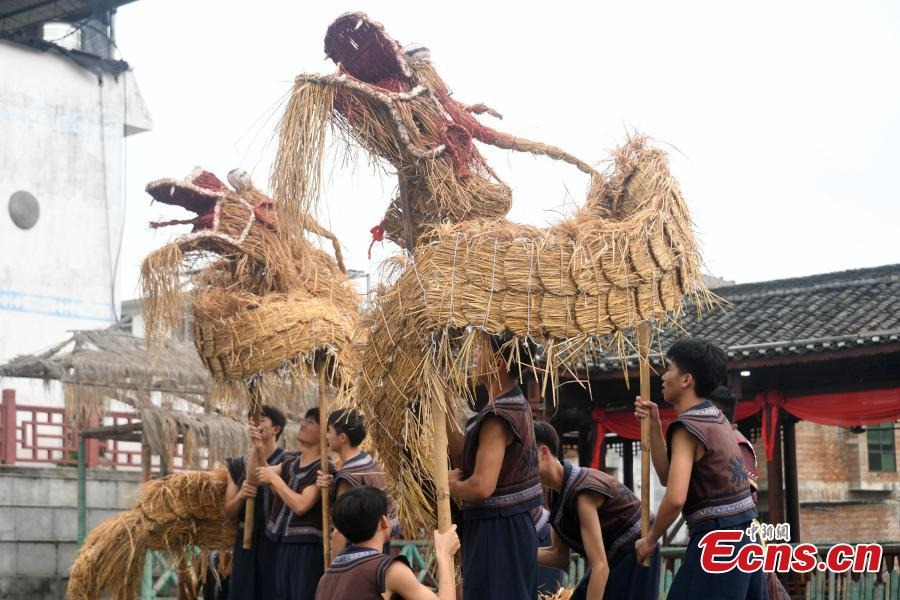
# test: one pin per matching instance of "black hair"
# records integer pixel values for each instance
(313, 413)
(276, 416)
(479, 398)
(725, 400)
(704, 361)
(357, 511)
(350, 422)
(545, 433)
(516, 362)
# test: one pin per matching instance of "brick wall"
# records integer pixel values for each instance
(840, 499)
(850, 522)
(39, 528)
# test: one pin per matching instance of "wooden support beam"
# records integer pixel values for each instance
(791, 487)
(628, 463)
(775, 498)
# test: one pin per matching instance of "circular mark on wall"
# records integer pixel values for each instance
(24, 209)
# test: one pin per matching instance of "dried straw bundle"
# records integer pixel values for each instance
(522, 313)
(182, 510)
(280, 327)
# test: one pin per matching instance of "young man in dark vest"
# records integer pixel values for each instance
(295, 515)
(499, 486)
(253, 570)
(362, 571)
(346, 431)
(595, 515)
(701, 466)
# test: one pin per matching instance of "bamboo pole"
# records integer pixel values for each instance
(250, 503)
(438, 416)
(644, 351)
(323, 448)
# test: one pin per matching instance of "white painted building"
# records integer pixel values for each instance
(64, 117)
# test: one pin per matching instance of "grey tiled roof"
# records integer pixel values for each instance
(823, 313)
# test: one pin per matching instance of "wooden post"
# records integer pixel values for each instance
(82, 491)
(323, 448)
(8, 425)
(791, 487)
(644, 350)
(438, 417)
(146, 460)
(628, 463)
(250, 503)
(776, 480)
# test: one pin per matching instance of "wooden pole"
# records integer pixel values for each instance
(441, 479)
(644, 350)
(438, 417)
(323, 448)
(250, 503)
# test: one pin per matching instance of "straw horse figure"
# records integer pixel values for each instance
(627, 256)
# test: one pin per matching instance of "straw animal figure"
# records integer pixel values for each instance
(269, 308)
(263, 304)
(182, 510)
(627, 256)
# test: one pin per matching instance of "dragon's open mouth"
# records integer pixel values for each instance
(198, 193)
(362, 49)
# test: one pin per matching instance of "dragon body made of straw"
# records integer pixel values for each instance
(628, 255)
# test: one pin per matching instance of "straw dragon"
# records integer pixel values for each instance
(627, 256)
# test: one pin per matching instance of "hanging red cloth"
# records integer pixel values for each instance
(843, 409)
(846, 409)
(770, 403)
(624, 424)
(598, 416)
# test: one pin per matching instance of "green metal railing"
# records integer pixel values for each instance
(817, 585)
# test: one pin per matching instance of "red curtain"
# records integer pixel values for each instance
(844, 409)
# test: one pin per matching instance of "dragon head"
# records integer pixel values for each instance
(225, 217)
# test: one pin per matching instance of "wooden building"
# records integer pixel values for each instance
(815, 364)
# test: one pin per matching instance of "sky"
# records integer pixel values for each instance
(781, 118)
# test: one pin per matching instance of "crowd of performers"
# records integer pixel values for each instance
(523, 510)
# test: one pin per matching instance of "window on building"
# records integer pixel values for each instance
(882, 452)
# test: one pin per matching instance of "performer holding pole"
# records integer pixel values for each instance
(295, 520)
(252, 574)
(499, 484)
(701, 466)
(346, 432)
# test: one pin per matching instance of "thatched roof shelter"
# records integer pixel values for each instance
(102, 364)
(111, 364)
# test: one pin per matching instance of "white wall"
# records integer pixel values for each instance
(62, 138)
